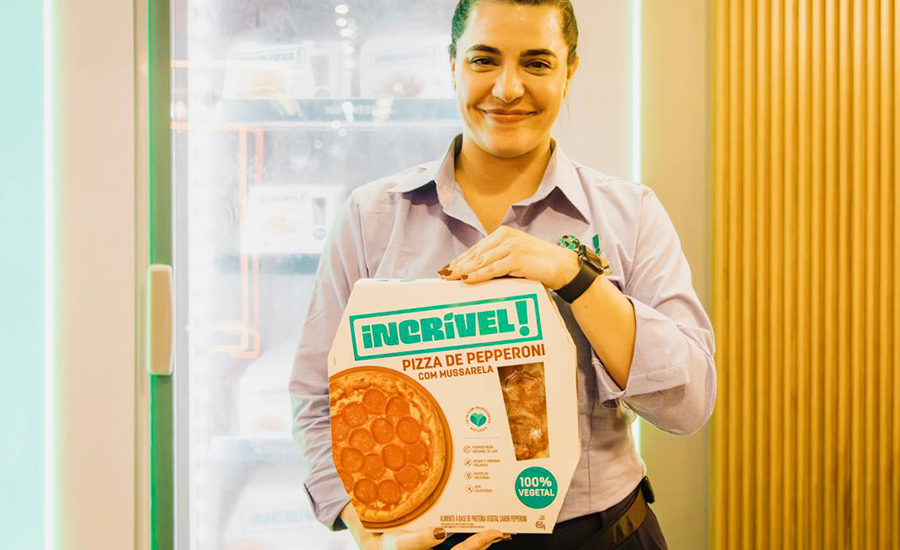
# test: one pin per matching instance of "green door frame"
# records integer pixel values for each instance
(161, 414)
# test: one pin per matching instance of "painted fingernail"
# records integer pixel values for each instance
(445, 271)
(464, 276)
(439, 533)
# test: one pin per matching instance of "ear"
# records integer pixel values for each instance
(570, 72)
(453, 73)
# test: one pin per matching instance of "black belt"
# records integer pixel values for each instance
(626, 524)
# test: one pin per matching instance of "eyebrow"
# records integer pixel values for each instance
(525, 53)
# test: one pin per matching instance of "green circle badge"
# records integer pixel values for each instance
(536, 487)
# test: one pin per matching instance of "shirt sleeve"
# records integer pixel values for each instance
(672, 381)
(340, 265)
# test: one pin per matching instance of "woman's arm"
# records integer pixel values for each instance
(341, 264)
(606, 317)
(653, 344)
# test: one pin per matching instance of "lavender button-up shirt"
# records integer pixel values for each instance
(410, 224)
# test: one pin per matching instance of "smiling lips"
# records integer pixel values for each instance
(502, 116)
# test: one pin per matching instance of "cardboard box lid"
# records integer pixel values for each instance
(482, 354)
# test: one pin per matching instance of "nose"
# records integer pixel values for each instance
(508, 86)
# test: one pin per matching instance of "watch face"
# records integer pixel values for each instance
(597, 262)
(590, 256)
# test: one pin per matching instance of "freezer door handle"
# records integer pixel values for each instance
(160, 309)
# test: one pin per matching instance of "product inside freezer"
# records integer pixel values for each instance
(270, 511)
(290, 218)
(406, 66)
(310, 69)
(264, 401)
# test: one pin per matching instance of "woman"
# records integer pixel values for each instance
(495, 206)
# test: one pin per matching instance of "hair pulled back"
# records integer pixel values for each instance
(569, 24)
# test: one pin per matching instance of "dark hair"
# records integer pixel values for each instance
(569, 25)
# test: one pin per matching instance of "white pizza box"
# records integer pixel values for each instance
(465, 358)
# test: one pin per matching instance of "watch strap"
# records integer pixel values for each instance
(579, 284)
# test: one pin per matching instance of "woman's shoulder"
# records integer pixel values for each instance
(387, 190)
(609, 183)
(611, 190)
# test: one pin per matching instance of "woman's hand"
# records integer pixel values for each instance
(508, 251)
(412, 540)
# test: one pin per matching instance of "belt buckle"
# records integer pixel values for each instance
(647, 490)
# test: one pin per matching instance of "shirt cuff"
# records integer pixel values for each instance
(328, 498)
(659, 361)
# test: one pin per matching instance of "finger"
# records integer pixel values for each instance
(500, 235)
(485, 259)
(503, 266)
(477, 250)
(482, 540)
(496, 237)
(418, 540)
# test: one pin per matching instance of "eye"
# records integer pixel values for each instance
(476, 61)
(539, 64)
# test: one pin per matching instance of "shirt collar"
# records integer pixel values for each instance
(560, 173)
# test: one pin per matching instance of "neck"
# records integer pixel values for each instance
(479, 172)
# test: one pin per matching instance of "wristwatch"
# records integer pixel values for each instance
(592, 266)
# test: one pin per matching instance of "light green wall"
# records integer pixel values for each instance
(22, 275)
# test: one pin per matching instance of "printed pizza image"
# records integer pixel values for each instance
(526, 409)
(390, 444)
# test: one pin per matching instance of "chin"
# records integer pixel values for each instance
(510, 144)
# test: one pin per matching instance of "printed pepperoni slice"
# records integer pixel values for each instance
(382, 430)
(408, 477)
(374, 467)
(362, 439)
(389, 492)
(355, 415)
(365, 491)
(408, 429)
(393, 457)
(397, 407)
(417, 453)
(339, 429)
(374, 401)
(352, 460)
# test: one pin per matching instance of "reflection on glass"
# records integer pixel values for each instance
(280, 109)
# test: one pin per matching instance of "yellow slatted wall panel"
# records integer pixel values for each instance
(806, 138)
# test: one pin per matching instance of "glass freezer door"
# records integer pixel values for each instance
(264, 115)
(271, 113)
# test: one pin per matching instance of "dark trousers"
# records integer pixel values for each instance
(571, 533)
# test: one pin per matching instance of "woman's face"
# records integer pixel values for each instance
(511, 59)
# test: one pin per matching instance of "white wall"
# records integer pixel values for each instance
(594, 124)
(676, 164)
(93, 127)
